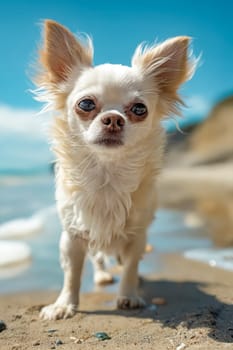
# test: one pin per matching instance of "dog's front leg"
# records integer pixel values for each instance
(130, 256)
(101, 276)
(72, 250)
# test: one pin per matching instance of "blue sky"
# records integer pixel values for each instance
(117, 27)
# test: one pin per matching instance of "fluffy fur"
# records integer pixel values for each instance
(108, 158)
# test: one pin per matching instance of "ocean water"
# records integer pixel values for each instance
(28, 215)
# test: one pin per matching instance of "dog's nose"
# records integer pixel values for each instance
(113, 122)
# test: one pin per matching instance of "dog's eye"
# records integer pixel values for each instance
(87, 105)
(139, 109)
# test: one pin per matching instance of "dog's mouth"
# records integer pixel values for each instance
(109, 142)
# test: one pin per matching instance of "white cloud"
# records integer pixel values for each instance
(24, 122)
(23, 139)
(197, 104)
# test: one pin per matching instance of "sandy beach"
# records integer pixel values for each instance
(196, 313)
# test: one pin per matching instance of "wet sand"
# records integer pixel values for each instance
(196, 313)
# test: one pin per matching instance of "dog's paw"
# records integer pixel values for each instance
(133, 302)
(103, 277)
(58, 311)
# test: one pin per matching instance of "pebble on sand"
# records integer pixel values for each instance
(36, 343)
(58, 342)
(159, 301)
(181, 346)
(102, 336)
(2, 326)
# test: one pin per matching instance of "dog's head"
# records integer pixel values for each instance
(111, 107)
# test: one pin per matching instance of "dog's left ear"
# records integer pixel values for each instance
(168, 66)
(61, 53)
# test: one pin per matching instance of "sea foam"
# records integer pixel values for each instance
(220, 258)
(23, 227)
(13, 253)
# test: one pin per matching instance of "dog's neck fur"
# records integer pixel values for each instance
(96, 191)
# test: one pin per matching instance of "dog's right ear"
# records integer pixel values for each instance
(61, 54)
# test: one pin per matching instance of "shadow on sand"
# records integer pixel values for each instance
(187, 306)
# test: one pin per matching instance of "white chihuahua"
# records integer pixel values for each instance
(109, 144)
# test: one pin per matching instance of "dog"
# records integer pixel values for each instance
(109, 147)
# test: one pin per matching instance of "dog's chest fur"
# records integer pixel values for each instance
(100, 199)
(95, 195)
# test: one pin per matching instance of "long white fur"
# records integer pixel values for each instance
(106, 197)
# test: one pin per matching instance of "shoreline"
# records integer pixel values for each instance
(197, 311)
